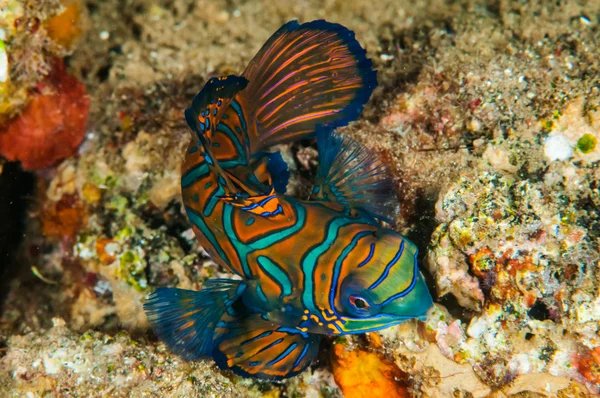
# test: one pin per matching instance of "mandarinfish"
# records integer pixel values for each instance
(308, 268)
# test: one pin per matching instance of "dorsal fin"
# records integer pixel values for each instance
(350, 174)
(210, 103)
(305, 76)
(202, 117)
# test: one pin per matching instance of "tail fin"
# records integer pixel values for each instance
(186, 320)
(305, 76)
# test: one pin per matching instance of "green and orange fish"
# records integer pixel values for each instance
(307, 268)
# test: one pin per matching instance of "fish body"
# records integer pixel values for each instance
(307, 268)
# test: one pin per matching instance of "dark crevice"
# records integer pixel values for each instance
(103, 73)
(15, 186)
(539, 311)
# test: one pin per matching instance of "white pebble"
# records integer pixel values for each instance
(104, 35)
(3, 63)
(558, 147)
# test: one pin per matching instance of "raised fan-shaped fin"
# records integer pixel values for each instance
(254, 347)
(305, 76)
(186, 320)
(271, 169)
(350, 174)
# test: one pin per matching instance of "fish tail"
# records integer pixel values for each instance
(186, 320)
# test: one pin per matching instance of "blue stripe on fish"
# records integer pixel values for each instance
(338, 265)
(284, 354)
(369, 257)
(412, 283)
(386, 271)
(310, 258)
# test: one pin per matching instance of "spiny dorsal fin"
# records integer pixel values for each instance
(350, 174)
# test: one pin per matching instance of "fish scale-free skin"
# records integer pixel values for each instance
(323, 266)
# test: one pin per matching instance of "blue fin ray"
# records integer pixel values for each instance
(350, 174)
(185, 320)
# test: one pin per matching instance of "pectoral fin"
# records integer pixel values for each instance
(353, 176)
(256, 347)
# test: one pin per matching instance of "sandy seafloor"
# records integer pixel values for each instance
(487, 114)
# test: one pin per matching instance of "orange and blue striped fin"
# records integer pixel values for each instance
(305, 76)
(272, 170)
(208, 106)
(350, 174)
(186, 320)
(255, 347)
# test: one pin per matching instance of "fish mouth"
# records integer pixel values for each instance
(374, 323)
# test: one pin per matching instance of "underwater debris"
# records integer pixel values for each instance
(588, 364)
(574, 132)
(364, 374)
(64, 218)
(52, 125)
(56, 361)
(558, 147)
(66, 27)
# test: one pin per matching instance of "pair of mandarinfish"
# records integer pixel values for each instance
(307, 268)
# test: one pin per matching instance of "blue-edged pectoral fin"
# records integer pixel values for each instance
(353, 176)
(255, 347)
(186, 320)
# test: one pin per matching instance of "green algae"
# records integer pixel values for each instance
(587, 143)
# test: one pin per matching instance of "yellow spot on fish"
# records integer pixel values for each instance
(333, 317)
(335, 331)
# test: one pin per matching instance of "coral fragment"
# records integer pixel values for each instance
(52, 125)
(365, 374)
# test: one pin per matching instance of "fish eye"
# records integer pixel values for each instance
(359, 303)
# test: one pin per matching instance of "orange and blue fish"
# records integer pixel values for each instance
(306, 268)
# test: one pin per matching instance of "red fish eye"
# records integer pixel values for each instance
(359, 302)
